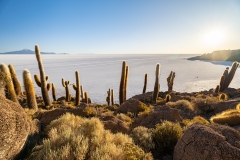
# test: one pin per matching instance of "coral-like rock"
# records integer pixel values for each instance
(216, 142)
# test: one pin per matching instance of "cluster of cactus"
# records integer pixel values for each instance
(123, 83)
(43, 79)
(29, 89)
(8, 83)
(110, 97)
(227, 77)
(145, 83)
(157, 84)
(170, 80)
(65, 84)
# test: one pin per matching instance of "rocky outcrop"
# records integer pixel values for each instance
(114, 124)
(132, 105)
(157, 114)
(14, 130)
(216, 142)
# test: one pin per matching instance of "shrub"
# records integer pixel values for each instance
(204, 105)
(222, 97)
(166, 136)
(181, 104)
(125, 118)
(133, 152)
(142, 136)
(238, 106)
(75, 138)
(230, 117)
(196, 119)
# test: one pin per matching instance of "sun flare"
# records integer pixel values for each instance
(214, 37)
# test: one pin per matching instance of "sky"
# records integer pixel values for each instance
(120, 26)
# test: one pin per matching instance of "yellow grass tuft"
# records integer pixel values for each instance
(230, 117)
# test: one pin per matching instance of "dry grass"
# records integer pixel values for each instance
(181, 104)
(143, 137)
(197, 119)
(75, 138)
(204, 105)
(230, 117)
(126, 119)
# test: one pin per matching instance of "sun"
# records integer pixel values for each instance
(214, 37)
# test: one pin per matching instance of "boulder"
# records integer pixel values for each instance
(14, 130)
(132, 105)
(214, 142)
(157, 114)
(114, 124)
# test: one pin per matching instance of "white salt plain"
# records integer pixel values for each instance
(98, 72)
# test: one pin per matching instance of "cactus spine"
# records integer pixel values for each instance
(43, 77)
(16, 83)
(108, 97)
(77, 89)
(123, 83)
(7, 81)
(54, 92)
(170, 80)
(86, 97)
(157, 85)
(112, 97)
(29, 88)
(65, 85)
(145, 83)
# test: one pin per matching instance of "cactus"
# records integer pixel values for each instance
(43, 82)
(228, 76)
(77, 89)
(7, 81)
(108, 97)
(217, 89)
(86, 97)
(16, 83)
(231, 73)
(82, 92)
(29, 88)
(222, 97)
(65, 85)
(157, 85)
(145, 84)
(54, 92)
(170, 80)
(123, 83)
(168, 97)
(112, 97)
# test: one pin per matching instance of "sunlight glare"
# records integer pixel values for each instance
(214, 37)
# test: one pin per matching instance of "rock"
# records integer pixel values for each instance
(14, 129)
(132, 105)
(157, 114)
(114, 124)
(214, 142)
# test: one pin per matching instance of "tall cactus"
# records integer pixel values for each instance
(108, 98)
(170, 80)
(54, 92)
(76, 87)
(145, 83)
(112, 97)
(44, 90)
(156, 85)
(82, 92)
(123, 83)
(29, 88)
(16, 83)
(86, 97)
(9, 87)
(65, 85)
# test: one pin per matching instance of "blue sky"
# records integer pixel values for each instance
(120, 26)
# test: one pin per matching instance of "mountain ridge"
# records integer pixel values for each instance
(25, 51)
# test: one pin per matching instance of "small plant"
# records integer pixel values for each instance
(168, 97)
(196, 119)
(143, 137)
(166, 136)
(230, 117)
(125, 118)
(181, 104)
(222, 97)
(204, 105)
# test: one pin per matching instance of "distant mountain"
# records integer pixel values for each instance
(26, 51)
(221, 55)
